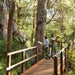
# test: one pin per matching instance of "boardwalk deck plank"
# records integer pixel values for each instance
(43, 67)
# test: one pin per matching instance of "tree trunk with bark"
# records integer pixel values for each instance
(4, 17)
(11, 14)
(41, 21)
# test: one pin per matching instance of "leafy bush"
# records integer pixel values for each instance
(3, 47)
(71, 58)
(2, 66)
(16, 45)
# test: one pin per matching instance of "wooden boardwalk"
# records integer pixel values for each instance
(43, 67)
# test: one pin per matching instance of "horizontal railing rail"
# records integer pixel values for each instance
(19, 51)
(62, 50)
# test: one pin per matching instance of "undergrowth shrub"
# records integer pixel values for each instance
(16, 45)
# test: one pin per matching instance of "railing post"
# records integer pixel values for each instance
(23, 64)
(43, 51)
(9, 64)
(65, 59)
(67, 62)
(55, 66)
(36, 54)
(61, 62)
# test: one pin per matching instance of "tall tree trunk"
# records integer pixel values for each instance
(11, 14)
(3, 16)
(41, 21)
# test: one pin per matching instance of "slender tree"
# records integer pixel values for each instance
(11, 14)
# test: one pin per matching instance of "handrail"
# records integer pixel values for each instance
(9, 68)
(61, 60)
(23, 58)
(60, 51)
(19, 51)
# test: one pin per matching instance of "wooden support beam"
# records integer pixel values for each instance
(36, 54)
(9, 64)
(65, 60)
(43, 51)
(23, 64)
(55, 66)
(61, 62)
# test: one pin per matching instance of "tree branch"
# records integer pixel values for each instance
(56, 20)
(54, 3)
(47, 3)
(51, 18)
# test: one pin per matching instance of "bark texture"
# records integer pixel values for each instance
(11, 14)
(4, 17)
(41, 21)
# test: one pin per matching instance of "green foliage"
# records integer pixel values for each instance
(27, 64)
(16, 45)
(2, 66)
(3, 47)
(25, 22)
(40, 56)
(71, 58)
(63, 23)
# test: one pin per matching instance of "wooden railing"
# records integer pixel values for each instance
(8, 69)
(63, 59)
